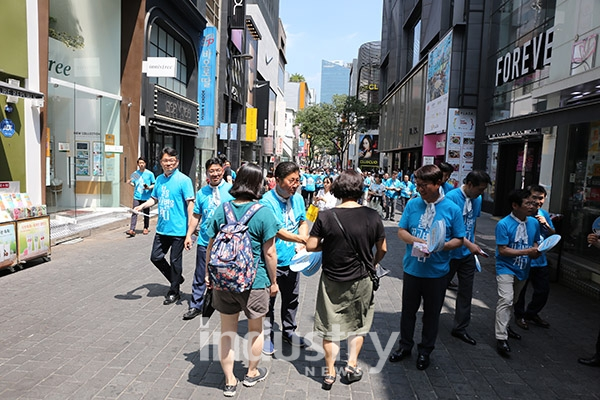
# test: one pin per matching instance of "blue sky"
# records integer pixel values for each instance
(327, 30)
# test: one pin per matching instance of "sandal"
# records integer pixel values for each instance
(145, 232)
(328, 381)
(131, 233)
(353, 374)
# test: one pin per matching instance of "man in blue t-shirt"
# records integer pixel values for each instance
(539, 274)
(143, 183)
(392, 186)
(308, 186)
(290, 214)
(208, 199)
(447, 170)
(516, 245)
(174, 193)
(407, 191)
(462, 260)
(426, 267)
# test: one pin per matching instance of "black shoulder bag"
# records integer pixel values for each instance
(372, 272)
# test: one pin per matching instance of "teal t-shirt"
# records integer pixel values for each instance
(173, 193)
(205, 207)
(261, 227)
(147, 178)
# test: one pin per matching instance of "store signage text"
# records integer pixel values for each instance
(534, 54)
(515, 134)
(174, 107)
(59, 68)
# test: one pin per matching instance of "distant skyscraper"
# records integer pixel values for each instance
(335, 79)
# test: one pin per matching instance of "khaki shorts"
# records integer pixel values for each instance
(254, 303)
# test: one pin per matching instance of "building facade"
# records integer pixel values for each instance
(335, 79)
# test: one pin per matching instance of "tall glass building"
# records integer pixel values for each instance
(335, 79)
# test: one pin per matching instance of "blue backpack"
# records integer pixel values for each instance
(231, 264)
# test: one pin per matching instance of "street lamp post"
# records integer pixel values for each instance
(229, 101)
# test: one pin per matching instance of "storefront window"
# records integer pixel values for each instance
(583, 188)
(162, 44)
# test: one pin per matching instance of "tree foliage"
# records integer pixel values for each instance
(297, 78)
(318, 124)
(331, 128)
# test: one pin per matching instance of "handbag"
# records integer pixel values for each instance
(371, 271)
(207, 307)
(312, 213)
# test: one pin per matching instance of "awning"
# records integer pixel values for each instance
(10, 90)
(173, 128)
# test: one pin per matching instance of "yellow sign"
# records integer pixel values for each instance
(251, 119)
(109, 140)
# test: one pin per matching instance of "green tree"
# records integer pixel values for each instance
(318, 124)
(297, 78)
(352, 116)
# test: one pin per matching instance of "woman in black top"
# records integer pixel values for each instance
(345, 303)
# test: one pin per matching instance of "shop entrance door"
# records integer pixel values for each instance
(518, 167)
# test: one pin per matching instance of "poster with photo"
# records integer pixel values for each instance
(97, 159)
(460, 149)
(368, 155)
(82, 158)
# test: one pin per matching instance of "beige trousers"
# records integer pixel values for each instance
(509, 288)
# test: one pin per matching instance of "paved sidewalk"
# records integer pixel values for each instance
(90, 324)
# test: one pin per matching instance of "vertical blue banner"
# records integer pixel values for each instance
(207, 67)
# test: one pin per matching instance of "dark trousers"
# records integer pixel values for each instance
(134, 216)
(465, 269)
(289, 288)
(390, 203)
(199, 285)
(432, 291)
(308, 196)
(539, 277)
(173, 271)
(403, 201)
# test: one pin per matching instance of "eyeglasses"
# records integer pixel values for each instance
(215, 171)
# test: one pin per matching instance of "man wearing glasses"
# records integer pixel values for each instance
(208, 199)
(290, 213)
(174, 193)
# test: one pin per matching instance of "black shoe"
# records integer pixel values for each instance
(192, 313)
(399, 355)
(590, 362)
(353, 374)
(423, 361)
(328, 381)
(452, 285)
(521, 323)
(464, 336)
(539, 322)
(503, 348)
(171, 298)
(512, 334)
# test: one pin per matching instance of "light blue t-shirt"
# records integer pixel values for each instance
(260, 228)
(438, 263)
(392, 183)
(205, 207)
(470, 219)
(139, 192)
(447, 187)
(541, 261)
(407, 189)
(309, 182)
(506, 230)
(285, 250)
(366, 184)
(173, 193)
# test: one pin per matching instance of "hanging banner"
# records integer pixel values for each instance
(438, 86)
(251, 117)
(207, 79)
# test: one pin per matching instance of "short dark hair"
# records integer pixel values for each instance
(142, 159)
(248, 183)
(285, 168)
(170, 152)
(429, 173)
(349, 185)
(223, 158)
(213, 161)
(517, 196)
(537, 188)
(445, 167)
(478, 177)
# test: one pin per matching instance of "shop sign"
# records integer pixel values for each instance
(160, 67)
(207, 78)
(534, 54)
(7, 127)
(174, 107)
(515, 134)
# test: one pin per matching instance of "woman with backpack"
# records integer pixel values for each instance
(345, 303)
(254, 301)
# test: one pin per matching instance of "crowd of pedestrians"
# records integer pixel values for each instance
(437, 225)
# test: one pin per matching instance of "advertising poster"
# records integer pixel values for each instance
(438, 86)
(460, 149)
(368, 155)
(8, 245)
(33, 238)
